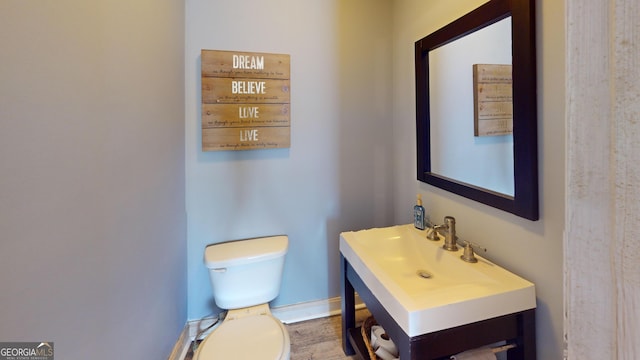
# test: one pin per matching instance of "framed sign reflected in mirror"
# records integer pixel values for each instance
(476, 122)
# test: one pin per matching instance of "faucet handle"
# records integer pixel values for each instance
(432, 232)
(468, 255)
(476, 246)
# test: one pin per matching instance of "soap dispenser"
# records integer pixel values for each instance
(418, 214)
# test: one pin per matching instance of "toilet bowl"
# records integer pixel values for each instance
(246, 276)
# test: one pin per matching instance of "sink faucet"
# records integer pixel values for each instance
(450, 237)
(448, 230)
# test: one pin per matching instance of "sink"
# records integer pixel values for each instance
(426, 288)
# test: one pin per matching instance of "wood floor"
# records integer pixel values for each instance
(317, 339)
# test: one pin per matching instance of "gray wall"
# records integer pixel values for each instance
(336, 174)
(530, 249)
(92, 219)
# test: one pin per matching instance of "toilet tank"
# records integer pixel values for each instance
(246, 272)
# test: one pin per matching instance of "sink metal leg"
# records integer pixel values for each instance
(348, 307)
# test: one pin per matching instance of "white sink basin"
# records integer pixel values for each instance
(388, 261)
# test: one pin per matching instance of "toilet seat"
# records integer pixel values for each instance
(249, 337)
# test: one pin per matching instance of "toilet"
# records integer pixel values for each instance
(246, 276)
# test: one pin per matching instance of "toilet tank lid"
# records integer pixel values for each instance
(245, 251)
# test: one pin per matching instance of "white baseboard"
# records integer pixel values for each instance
(288, 314)
(182, 345)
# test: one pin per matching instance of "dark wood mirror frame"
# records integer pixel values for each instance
(524, 203)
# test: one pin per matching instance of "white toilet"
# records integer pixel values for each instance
(246, 276)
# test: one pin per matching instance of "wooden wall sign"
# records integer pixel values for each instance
(245, 100)
(492, 100)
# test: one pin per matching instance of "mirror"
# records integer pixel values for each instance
(485, 159)
(495, 167)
